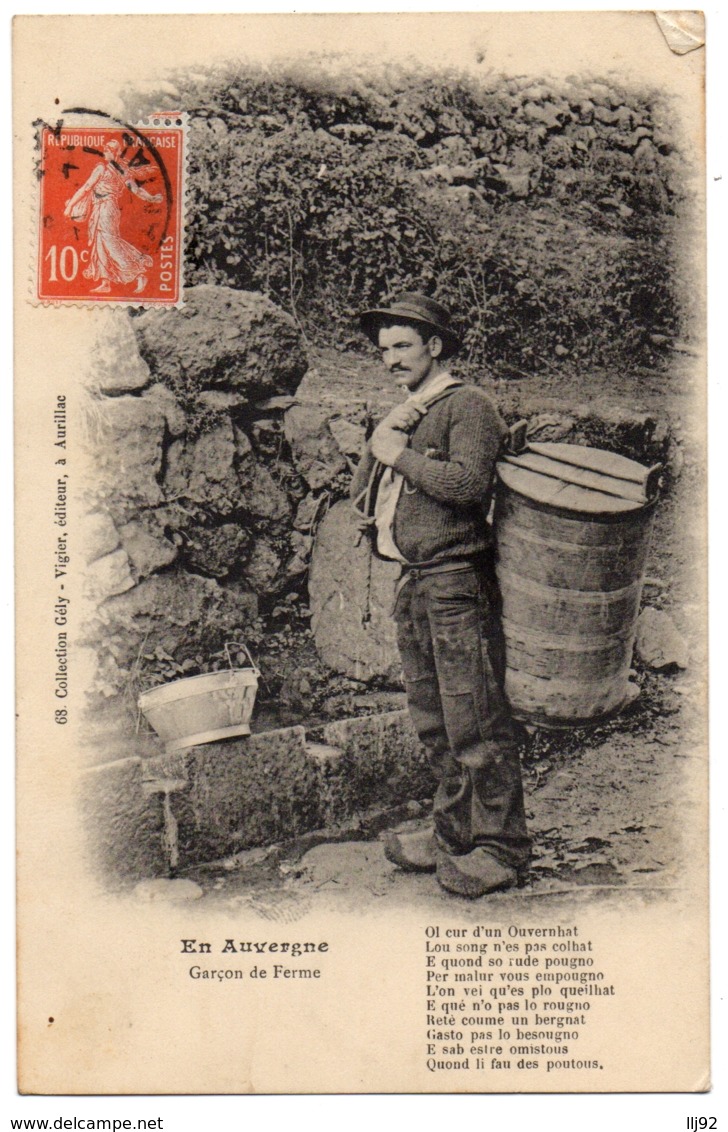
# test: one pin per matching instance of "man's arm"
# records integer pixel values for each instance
(474, 441)
(387, 441)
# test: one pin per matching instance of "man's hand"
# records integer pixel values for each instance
(387, 443)
(403, 416)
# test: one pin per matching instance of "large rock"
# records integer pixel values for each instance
(107, 576)
(169, 406)
(128, 444)
(219, 401)
(307, 512)
(260, 495)
(262, 567)
(316, 454)
(348, 436)
(212, 458)
(243, 445)
(351, 595)
(659, 644)
(183, 614)
(301, 546)
(549, 427)
(241, 792)
(118, 367)
(146, 545)
(203, 470)
(217, 551)
(124, 826)
(100, 536)
(224, 338)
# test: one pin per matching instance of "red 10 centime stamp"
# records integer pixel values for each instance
(111, 215)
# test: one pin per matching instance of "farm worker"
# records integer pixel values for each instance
(425, 484)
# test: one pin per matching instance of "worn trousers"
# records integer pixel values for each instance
(451, 645)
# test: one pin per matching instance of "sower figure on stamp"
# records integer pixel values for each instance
(99, 201)
(425, 481)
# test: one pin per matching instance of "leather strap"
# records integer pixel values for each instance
(365, 502)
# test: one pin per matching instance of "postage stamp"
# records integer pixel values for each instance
(110, 220)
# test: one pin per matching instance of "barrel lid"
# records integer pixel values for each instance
(577, 478)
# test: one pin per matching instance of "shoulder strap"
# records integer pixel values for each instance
(365, 502)
(446, 393)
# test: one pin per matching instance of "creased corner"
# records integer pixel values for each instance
(704, 1084)
(683, 31)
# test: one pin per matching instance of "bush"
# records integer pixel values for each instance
(543, 214)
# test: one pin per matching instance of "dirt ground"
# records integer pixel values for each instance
(608, 807)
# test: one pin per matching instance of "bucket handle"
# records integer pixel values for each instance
(244, 648)
(226, 647)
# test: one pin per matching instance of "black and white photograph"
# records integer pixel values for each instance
(362, 553)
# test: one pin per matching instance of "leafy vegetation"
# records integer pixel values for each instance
(544, 214)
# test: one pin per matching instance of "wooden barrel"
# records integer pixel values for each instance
(572, 527)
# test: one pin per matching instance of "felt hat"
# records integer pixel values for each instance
(415, 308)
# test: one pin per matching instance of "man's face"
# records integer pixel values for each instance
(407, 356)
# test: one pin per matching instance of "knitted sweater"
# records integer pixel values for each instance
(448, 468)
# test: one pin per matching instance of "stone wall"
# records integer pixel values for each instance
(209, 479)
(149, 817)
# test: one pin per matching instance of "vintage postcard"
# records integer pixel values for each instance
(361, 553)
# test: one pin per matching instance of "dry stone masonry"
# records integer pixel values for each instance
(210, 481)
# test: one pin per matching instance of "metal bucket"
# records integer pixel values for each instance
(202, 709)
(572, 527)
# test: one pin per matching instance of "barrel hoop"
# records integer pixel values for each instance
(566, 722)
(580, 597)
(513, 511)
(511, 530)
(565, 686)
(548, 640)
